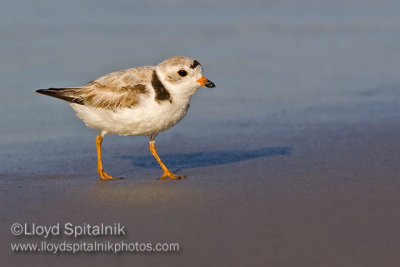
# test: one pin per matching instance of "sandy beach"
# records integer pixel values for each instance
(329, 200)
(292, 160)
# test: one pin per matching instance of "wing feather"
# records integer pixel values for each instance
(114, 90)
(118, 89)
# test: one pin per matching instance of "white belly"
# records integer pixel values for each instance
(148, 118)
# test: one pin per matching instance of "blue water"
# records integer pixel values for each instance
(278, 65)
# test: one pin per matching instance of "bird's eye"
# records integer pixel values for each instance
(182, 73)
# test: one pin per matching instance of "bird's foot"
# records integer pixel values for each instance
(105, 177)
(172, 176)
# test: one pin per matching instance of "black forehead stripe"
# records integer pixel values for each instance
(195, 64)
(161, 92)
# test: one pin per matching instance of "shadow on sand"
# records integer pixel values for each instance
(178, 162)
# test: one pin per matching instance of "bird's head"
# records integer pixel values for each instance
(182, 76)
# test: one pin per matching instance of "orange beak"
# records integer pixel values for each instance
(205, 82)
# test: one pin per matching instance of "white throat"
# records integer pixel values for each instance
(181, 92)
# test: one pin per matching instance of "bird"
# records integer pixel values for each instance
(140, 101)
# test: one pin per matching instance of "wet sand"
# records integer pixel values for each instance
(292, 160)
(331, 199)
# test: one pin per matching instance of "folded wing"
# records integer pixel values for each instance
(115, 90)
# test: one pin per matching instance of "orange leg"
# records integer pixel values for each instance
(103, 175)
(167, 173)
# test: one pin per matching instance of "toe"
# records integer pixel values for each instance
(105, 177)
(172, 176)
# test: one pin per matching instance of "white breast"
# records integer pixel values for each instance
(148, 118)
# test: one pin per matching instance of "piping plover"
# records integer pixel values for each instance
(137, 101)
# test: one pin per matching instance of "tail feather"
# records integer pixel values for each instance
(68, 94)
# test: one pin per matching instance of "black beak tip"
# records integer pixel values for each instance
(210, 84)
